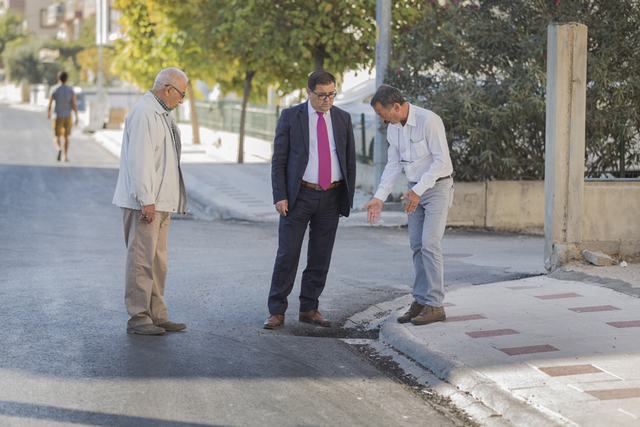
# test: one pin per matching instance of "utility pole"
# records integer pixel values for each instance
(99, 109)
(383, 47)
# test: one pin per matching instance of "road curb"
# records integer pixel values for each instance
(466, 379)
(107, 143)
(208, 207)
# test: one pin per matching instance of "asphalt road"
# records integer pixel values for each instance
(65, 358)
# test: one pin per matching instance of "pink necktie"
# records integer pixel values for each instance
(324, 154)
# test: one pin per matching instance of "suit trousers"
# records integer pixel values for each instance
(426, 230)
(319, 210)
(146, 267)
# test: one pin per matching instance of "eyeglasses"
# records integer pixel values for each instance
(182, 94)
(325, 96)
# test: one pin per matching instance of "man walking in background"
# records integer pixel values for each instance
(65, 100)
(313, 174)
(417, 146)
(149, 189)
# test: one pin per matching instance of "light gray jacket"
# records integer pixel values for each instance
(150, 160)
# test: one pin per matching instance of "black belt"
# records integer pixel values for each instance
(316, 187)
(443, 177)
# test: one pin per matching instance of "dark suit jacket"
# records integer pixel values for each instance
(291, 154)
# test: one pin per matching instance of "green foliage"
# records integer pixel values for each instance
(482, 67)
(245, 46)
(336, 35)
(10, 29)
(21, 59)
(136, 58)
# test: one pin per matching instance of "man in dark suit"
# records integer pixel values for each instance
(313, 174)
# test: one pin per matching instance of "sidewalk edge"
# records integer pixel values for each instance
(467, 379)
(207, 207)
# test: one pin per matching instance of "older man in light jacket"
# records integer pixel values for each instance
(149, 189)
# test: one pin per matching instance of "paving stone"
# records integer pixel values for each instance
(556, 371)
(615, 393)
(559, 296)
(594, 308)
(529, 349)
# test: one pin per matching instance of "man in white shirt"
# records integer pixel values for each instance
(417, 146)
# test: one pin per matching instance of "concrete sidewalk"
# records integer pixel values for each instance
(537, 351)
(218, 188)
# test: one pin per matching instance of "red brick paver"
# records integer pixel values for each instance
(559, 296)
(625, 324)
(530, 349)
(616, 393)
(559, 371)
(594, 308)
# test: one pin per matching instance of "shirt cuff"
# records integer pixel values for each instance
(422, 186)
(382, 194)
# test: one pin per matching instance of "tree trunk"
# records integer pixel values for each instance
(243, 113)
(318, 57)
(195, 126)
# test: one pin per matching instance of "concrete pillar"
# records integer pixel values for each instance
(383, 50)
(564, 142)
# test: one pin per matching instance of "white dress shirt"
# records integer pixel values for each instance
(311, 173)
(419, 148)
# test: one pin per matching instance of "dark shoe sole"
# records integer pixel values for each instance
(420, 323)
(134, 332)
(326, 324)
(172, 329)
(272, 327)
(176, 330)
(403, 320)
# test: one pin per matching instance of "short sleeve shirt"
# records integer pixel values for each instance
(62, 96)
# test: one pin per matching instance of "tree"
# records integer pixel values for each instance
(482, 66)
(23, 64)
(332, 34)
(246, 45)
(87, 58)
(279, 43)
(10, 29)
(247, 37)
(159, 34)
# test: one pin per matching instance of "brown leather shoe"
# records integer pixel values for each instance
(315, 318)
(274, 321)
(413, 311)
(429, 315)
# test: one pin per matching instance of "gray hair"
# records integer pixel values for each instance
(387, 96)
(168, 76)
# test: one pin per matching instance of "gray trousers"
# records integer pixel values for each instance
(146, 269)
(426, 230)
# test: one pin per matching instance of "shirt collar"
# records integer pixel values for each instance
(313, 112)
(167, 109)
(411, 118)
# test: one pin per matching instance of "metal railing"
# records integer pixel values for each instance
(225, 116)
(261, 123)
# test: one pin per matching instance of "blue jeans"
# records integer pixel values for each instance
(426, 230)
